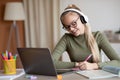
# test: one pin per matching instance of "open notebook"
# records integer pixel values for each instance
(96, 74)
(3, 76)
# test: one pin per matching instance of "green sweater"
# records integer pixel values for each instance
(77, 50)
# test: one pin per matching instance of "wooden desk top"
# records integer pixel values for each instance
(67, 76)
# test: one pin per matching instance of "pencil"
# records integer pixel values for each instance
(88, 57)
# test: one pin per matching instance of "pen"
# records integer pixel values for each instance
(88, 57)
(6, 54)
(2, 56)
(15, 56)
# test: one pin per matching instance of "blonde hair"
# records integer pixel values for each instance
(92, 44)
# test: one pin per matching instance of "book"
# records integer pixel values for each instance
(19, 72)
(96, 74)
(112, 69)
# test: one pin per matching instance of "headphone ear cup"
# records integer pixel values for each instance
(83, 20)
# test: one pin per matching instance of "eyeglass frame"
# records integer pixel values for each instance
(73, 24)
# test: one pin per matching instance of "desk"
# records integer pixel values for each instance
(67, 76)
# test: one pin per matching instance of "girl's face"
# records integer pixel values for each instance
(73, 24)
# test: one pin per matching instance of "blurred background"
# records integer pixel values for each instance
(42, 28)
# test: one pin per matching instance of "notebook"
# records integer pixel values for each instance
(96, 74)
(37, 61)
(112, 69)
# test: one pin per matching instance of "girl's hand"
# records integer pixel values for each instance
(87, 66)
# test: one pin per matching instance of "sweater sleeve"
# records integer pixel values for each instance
(57, 53)
(104, 44)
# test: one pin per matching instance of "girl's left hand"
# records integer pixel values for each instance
(87, 66)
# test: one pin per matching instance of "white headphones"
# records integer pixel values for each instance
(75, 10)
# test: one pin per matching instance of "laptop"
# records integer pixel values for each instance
(37, 61)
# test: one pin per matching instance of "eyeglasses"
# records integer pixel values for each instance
(73, 25)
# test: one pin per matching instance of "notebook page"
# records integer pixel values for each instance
(96, 74)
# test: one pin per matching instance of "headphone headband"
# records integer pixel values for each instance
(75, 10)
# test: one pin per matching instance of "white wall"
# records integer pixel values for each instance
(102, 14)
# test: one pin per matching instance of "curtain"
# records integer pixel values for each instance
(42, 25)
